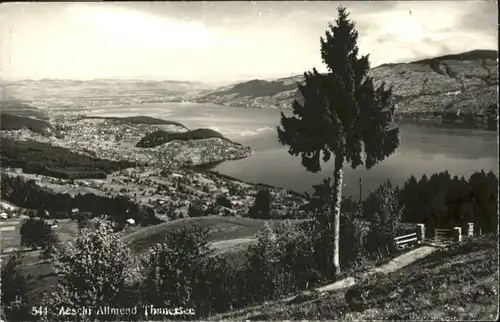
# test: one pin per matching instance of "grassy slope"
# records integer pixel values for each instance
(10, 121)
(21, 108)
(222, 228)
(459, 283)
(43, 276)
(61, 161)
(258, 88)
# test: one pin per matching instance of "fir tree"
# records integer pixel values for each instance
(342, 115)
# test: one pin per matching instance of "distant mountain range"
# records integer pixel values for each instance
(107, 81)
(61, 90)
(459, 85)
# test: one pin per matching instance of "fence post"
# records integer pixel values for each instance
(470, 232)
(435, 235)
(457, 232)
(421, 233)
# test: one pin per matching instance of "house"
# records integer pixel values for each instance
(130, 221)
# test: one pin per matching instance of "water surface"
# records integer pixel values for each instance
(424, 149)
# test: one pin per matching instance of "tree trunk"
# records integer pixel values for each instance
(338, 175)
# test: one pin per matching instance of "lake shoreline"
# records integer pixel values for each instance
(427, 146)
(445, 119)
(454, 119)
(207, 168)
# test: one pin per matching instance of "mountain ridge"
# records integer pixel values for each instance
(451, 88)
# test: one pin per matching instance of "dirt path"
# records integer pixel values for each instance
(405, 259)
(232, 244)
(394, 265)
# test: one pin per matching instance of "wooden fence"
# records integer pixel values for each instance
(443, 236)
(406, 241)
(415, 238)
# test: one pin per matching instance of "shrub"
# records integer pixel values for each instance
(14, 298)
(37, 233)
(223, 288)
(195, 209)
(174, 271)
(223, 201)
(49, 246)
(280, 262)
(383, 211)
(93, 271)
(261, 208)
(353, 229)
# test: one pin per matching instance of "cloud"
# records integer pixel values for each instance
(432, 29)
(225, 41)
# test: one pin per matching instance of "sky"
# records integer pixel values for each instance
(218, 42)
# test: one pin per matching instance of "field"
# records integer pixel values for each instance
(240, 230)
(229, 234)
(66, 230)
(42, 274)
(456, 283)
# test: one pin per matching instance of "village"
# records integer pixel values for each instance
(173, 191)
(166, 179)
(116, 140)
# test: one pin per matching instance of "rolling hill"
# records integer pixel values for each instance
(454, 88)
(9, 121)
(160, 137)
(221, 229)
(21, 108)
(137, 120)
(230, 235)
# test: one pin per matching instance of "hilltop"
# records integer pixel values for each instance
(454, 88)
(136, 120)
(161, 137)
(21, 108)
(43, 158)
(9, 122)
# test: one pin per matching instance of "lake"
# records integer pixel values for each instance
(424, 149)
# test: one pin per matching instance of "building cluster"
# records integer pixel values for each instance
(114, 140)
(174, 191)
(159, 181)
